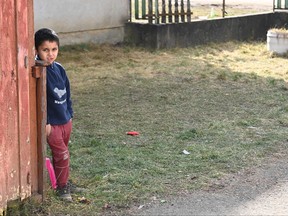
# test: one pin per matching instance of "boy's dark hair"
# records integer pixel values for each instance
(45, 34)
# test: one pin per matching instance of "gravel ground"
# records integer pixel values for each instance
(258, 191)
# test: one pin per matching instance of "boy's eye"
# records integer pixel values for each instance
(47, 50)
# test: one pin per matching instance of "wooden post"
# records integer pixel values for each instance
(39, 72)
(136, 9)
(223, 9)
(170, 11)
(130, 10)
(150, 11)
(143, 9)
(188, 11)
(163, 20)
(278, 4)
(176, 12)
(157, 12)
(182, 11)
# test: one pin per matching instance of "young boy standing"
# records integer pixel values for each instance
(59, 108)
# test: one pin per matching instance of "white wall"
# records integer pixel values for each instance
(79, 21)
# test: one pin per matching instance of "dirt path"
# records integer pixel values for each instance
(259, 191)
(235, 2)
(259, 5)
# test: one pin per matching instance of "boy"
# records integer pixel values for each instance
(59, 108)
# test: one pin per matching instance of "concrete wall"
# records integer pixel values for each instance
(79, 21)
(249, 27)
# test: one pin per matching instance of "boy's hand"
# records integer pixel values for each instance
(48, 130)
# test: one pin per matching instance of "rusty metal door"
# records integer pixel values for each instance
(16, 59)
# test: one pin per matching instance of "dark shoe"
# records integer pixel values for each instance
(74, 188)
(64, 193)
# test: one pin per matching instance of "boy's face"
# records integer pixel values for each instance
(48, 51)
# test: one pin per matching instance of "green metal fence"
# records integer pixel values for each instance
(281, 4)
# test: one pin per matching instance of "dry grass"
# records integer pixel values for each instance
(99, 62)
(279, 30)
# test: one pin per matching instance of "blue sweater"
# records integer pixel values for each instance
(59, 104)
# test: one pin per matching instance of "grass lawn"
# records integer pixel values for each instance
(226, 104)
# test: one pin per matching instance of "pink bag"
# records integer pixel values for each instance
(51, 173)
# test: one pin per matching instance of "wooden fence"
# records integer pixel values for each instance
(280, 4)
(175, 11)
(22, 108)
(162, 11)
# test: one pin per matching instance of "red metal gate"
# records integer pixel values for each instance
(18, 132)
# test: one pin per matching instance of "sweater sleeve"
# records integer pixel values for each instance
(47, 122)
(69, 101)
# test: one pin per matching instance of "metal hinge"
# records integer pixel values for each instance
(26, 62)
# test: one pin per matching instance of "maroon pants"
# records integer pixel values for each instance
(58, 141)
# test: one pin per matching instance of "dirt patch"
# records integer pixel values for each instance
(258, 191)
(261, 6)
(213, 9)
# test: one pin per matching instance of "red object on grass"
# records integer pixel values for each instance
(51, 173)
(133, 133)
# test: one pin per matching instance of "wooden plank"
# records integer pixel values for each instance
(157, 12)
(182, 11)
(17, 41)
(41, 125)
(143, 9)
(32, 104)
(2, 123)
(170, 11)
(223, 8)
(163, 19)
(9, 103)
(33, 134)
(176, 12)
(279, 4)
(188, 11)
(150, 11)
(23, 98)
(136, 9)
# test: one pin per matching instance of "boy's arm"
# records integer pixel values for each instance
(69, 101)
